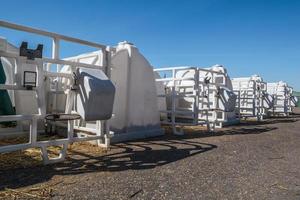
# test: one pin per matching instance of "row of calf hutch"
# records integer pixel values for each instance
(113, 94)
(190, 96)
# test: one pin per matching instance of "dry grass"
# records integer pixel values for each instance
(31, 158)
(22, 158)
(187, 129)
(41, 192)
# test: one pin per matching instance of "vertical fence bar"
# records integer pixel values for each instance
(33, 131)
(173, 96)
(196, 88)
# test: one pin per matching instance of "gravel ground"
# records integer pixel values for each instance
(247, 161)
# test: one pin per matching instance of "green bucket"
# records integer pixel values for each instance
(6, 107)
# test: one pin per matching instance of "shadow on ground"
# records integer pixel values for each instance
(136, 155)
(265, 122)
(272, 120)
(236, 130)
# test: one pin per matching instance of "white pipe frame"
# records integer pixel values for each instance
(286, 98)
(199, 87)
(102, 133)
(257, 96)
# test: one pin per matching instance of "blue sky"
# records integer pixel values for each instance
(248, 37)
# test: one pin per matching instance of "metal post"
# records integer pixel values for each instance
(108, 68)
(173, 100)
(196, 89)
(33, 131)
(40, 92)
(70, 129)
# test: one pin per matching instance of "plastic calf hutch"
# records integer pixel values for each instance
(191, 96)
(284, 101)
(135, 109)
(252, 97)
(34, 91)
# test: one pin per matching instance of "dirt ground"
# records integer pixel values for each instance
(247, 161)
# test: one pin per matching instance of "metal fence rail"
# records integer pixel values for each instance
(202, 95)
(282, 102)
(250, 99)
(42, 68)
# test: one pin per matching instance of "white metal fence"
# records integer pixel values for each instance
(250, 98)
(190, 99)
(43, 71)
(282, 94)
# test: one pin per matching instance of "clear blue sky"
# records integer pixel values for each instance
(248, 37)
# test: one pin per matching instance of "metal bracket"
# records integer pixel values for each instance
(31, 54)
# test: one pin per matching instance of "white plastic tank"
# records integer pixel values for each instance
(135, 108)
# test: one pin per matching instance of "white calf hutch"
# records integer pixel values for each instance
(190, 96)
(135, 107)
(252, 97)
(106, 95)
(284, 101)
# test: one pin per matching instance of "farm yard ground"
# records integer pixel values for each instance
(253, 160)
